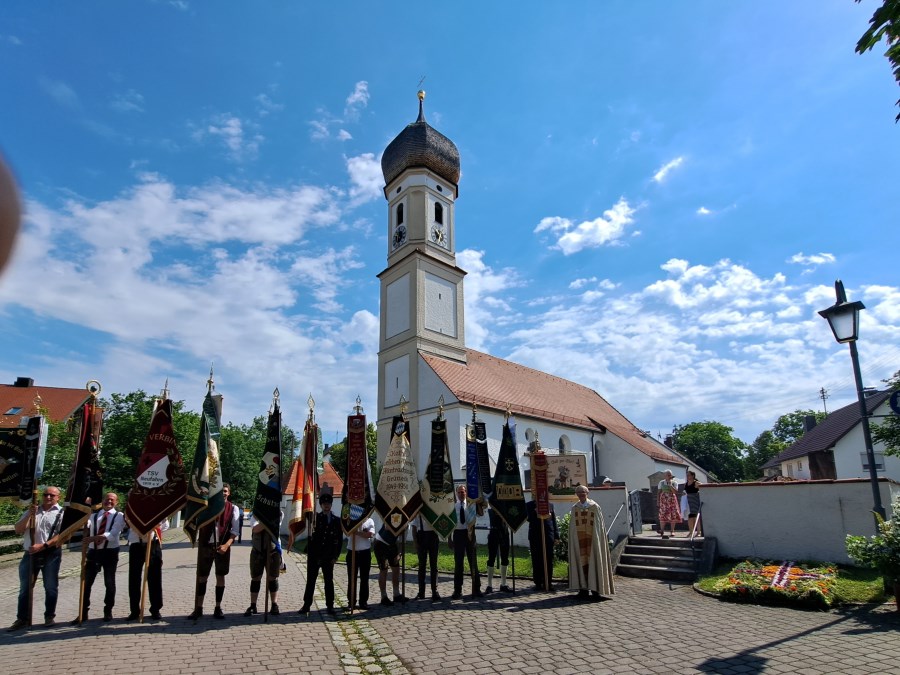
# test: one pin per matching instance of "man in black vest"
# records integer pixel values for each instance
(104, 528)
(323, 550)
(541, 546)
(214, 546)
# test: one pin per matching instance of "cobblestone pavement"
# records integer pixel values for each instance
(648, 627)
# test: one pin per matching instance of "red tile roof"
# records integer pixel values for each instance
(60, 403)
(328, 477)
(493, 383)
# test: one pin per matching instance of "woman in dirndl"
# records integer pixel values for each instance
(667, 502)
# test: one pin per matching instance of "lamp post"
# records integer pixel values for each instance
(843, 318)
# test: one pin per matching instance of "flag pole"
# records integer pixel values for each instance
(32, 577)
(267, 541)
(84, 547)
(146, 576)
(352, 587)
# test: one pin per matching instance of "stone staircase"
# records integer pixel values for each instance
(652, 557)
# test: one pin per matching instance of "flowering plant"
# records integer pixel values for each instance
(779, 583)
(881, 551)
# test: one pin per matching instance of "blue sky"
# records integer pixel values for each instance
(656, 198)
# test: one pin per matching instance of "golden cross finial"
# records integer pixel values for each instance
(404, 405)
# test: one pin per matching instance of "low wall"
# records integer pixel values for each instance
(801, 520)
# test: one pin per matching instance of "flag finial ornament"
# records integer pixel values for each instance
(441, 407)
(37, 402)
(93, 387)
(210, 383)
(164, 394)
(358, 407)
(404, 404)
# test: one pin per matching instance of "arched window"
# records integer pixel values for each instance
(565, 445)
(400, 214)
(438, 213)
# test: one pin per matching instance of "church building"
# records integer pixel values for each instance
(422, 352)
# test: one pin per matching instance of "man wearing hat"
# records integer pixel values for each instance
(323, 550)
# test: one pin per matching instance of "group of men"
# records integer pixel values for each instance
(590, 572)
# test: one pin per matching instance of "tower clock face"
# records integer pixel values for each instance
(399, 236)
(439, 236)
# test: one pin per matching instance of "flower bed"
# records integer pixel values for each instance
(785, 583)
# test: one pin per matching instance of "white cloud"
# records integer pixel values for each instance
(661, 174)
(344, 135)
(129, 101)
(366, 179)
(604, 230)
(11, 39)
(319, 130)
(812, 260)
(703, 211)
(60, 92)
(240, 138)
(486, 291)
(357, 100)
(266, 106)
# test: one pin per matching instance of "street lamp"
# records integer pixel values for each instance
(843, 317)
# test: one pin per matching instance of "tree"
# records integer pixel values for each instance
(885, 23)
(764, 448)
(712, 446)
(240, 450)
(789, 428)
(888, 431)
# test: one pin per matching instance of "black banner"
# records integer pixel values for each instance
(507, 498)
(267, 502)
(85, 491)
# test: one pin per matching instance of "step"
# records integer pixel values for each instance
(655, 572)
(644, 549)
(657, 561)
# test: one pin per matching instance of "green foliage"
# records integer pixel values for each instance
(884, 24)
(880, 551)
(887, 430)
(61, 441)
(10, 512)
(241, 448)
(713, 447)
(787, 430)
(789, 427)
(561, 547)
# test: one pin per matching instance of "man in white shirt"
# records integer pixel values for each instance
(361, 542)
(427, 550)
(464, 543)
(137, 549)
(214, 546)
(42, 556)
(104, 528)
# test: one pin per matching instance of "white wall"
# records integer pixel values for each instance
(791, 521)
(847, 461)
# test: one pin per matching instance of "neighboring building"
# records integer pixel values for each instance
(17, 400)
(422, 352)
(835, 448)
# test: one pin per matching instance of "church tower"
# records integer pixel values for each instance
(421, 288)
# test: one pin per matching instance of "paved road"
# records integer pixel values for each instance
(650, 627)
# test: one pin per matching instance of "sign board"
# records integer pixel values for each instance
(565, 473)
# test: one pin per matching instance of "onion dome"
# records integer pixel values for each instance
(420, 145)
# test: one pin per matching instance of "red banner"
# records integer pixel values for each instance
(539, 484)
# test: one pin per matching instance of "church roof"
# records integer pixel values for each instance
(420, 145)
(493, 383)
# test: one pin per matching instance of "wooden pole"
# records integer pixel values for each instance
(32, 577)
(544, 554)
(512, 549)
(403, 566)
(266, 542)
(84, 548)
(352, 586)
(146, 577)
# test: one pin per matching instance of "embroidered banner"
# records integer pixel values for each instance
(306, 486)
(267, 500)
(358, 498)
(539, 483)
(438, 498)
(205, 500)
(86, 485)
(398, 497)
(507, 497)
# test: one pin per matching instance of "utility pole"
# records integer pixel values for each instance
(823, 395)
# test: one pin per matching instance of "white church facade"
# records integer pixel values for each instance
(422, 352)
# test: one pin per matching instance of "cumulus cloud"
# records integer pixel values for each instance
(814, 260)
(344, 135)
(357, 100)
(664, 171)
(240, 138)
(366, 179)
(321, 128)
(487, 306)
(604, 230)
(703, 211)
(266, 106)
(129, 101)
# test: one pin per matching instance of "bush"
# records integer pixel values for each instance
(561, 548)
(880, 551)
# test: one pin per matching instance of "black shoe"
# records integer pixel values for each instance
(196, 614)
(107, 615)
(363, 605)
(132, 617)
(456, 595)
(505, 589)
(386, 601)
(539, 587)
(75, 621)
(401, 598)
(18, 624)
(273, 610)
(330, 610)
(155, 615)
(489, 589)
(583, 595)
(420, 595)
(250, 610)
(477, 594)
(303, 610)
(218, 613)
(49, 622)
(435, 597)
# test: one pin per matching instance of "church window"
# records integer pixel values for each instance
(400, 214)
(440, 189)
(565, 445)
(438, 213)
(398, 190)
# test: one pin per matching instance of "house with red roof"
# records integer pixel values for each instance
(20, 399)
